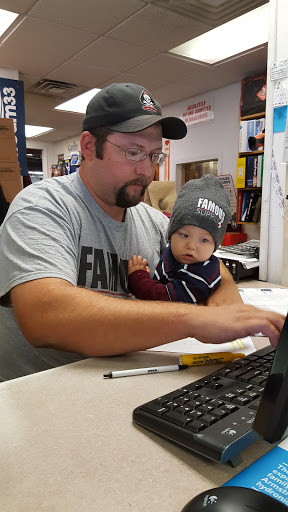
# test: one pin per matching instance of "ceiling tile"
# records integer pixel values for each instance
(53, 118)
(28, 80)
(27, 61)
(90, 15)
(149, 83)
(57, 41)
(112, 54)
(214, 77)
(81, 74)
(157, 28)
(249, 63)
(167, 68)
(20, 6)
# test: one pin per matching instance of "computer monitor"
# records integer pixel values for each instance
(271, 420)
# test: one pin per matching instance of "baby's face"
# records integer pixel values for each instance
(191, 244)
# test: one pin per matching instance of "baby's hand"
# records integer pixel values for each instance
(137, 263)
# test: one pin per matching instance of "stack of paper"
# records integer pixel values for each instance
(193, 346)
(272, 299)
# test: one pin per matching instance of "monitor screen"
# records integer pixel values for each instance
(271, 420)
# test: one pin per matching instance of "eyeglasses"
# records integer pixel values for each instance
(137, 155)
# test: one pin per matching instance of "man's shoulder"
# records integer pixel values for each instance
(144, 209)
(45, 190)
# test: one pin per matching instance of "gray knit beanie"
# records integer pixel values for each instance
(203, 203)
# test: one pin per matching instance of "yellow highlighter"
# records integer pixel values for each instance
(212, 358)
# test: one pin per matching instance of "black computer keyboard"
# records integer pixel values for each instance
(214, 415)
(248, 249)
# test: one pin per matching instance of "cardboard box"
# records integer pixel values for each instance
(161, 195)
(8, 150)
(10, 177)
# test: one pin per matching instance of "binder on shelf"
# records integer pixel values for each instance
(259, 170)
(245, 203)
(257, 211)
(251, 207)
(239, 205)
(255, 170)
(249, 171)
(240, 172)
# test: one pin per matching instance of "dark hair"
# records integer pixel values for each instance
(100, 135)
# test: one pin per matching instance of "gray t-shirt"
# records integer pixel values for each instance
(55, 228)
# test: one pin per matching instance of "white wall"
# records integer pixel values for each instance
(216, 139)
(272, 223)
(13, 74)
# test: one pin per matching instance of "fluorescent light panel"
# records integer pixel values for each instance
(236, 36)
(78, 104)
(35, 131)
(6, 19)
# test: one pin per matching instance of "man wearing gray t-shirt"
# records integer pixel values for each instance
(66, 241)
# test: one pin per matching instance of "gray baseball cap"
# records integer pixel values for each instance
(130, 108)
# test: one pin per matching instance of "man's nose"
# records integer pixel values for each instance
(145, 167)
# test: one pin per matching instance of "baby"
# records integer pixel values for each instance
(187, 270)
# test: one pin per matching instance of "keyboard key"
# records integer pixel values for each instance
(219, 413)
(205, 408)
(208, 419)
(195, 415)
(230, 408)
(196, 426)
(214, 385)
(241, 400)
(153, 408)
(228, 397)
(258, 380)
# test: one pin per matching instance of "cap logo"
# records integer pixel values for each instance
(147, 101)
(210, 209)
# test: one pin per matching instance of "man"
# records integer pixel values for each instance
(66, 241)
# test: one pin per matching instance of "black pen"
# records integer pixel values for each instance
(145, 371)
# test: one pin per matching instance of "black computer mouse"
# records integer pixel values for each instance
(233, 499)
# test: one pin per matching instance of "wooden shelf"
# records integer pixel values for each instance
(247, 153)
(253, 116)
(250, 189)
(254, 223)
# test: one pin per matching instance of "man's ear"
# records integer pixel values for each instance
(87, 145)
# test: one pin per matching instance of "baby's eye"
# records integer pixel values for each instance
(183, 235)
(204, 240)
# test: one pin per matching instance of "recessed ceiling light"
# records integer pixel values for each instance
(236, 36)
(6, 19)
(78, 104)
(35, 131)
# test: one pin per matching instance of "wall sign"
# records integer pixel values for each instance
(71, 146)
(12, 107)
(200, 112)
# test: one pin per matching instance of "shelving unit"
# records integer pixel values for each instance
(245, 154)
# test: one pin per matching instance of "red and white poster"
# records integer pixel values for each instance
(199, 112)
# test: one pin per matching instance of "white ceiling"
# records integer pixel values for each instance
(93, 43)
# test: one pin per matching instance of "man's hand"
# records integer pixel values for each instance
(137, 263)
(227, 323)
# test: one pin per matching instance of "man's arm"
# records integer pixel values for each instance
(75, 319)
(227, 293)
